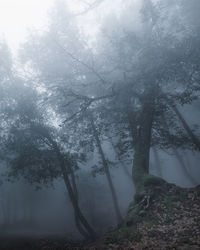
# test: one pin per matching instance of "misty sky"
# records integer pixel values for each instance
(17, 17)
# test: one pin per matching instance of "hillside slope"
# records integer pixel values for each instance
(163, 217)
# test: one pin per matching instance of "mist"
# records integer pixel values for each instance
(99, 120)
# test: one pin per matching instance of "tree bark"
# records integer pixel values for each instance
(107, 172)
(143, 142)
(77, 221)
(80, 220)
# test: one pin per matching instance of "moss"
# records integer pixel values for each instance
(167, 202)
(152, 181)
(151, 222)
(137, 214)
(197, 220)
(133, 215)
(136, 236)
(112, 238)
(148, 181)
(124, 233)
(150, 186)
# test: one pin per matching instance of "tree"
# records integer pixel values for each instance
(132, 82)
(34, 150)
(149, 89)
(69, 50)
(106, 169)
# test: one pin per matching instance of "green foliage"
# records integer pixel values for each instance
(124, 233)
(151, 223)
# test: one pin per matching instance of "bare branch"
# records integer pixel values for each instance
(88, 101)
(89, 7)
(91, 69)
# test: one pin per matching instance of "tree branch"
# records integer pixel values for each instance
(88, 102)
(89, 7)
(91, 69)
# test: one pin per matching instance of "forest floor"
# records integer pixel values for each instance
(164, 217)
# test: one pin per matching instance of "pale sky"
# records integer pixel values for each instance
(19, 16)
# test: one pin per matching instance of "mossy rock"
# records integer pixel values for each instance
(152, 181)
(148, 182)
(151, 188)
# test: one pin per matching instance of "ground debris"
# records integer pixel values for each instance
(171, 221)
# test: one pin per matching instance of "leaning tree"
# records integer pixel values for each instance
(35, 150)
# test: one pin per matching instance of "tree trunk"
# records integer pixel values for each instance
(74, 184)
(78, 214)
(107, 172)
(77, 221)
(143, 142)
(80, 220)
(176, 153)
(193, 137)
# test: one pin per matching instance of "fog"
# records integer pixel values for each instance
(95, 96)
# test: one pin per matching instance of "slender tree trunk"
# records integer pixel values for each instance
(184, 168)
(80, 220)
(157, 162)
(193, 137)
(78, 214)
(143, 142)
(81, 230)
(79, 217)
(75, 190)
(176, 153)
(107, 171)
(74, 184)
(77, 221)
